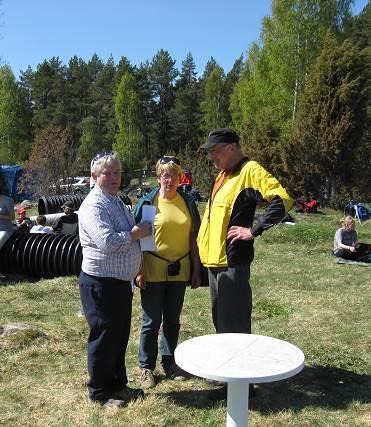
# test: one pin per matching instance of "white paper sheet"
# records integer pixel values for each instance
(148, 243)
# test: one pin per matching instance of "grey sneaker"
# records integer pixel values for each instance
(147, 379)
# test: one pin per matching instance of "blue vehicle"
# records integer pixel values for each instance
(357, 210)
(12, 174)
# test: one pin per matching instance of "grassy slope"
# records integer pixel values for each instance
(300, 295)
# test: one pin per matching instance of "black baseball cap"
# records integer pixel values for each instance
(68, 204)
(221, 136)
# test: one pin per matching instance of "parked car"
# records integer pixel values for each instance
(74, 185)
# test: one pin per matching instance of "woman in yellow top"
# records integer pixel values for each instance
(166, 273)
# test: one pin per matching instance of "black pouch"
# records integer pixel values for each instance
(173, 268)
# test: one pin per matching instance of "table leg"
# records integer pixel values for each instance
(237, 404)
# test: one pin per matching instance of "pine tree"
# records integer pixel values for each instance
(101, 96)
(328, 132)
(230, 82)
(184, 117)
(162, 74)
(48, 94)
(124, 66)
(361, 36)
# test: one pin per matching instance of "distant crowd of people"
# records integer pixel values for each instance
(68, 223)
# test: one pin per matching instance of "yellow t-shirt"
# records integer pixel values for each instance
(172, 235)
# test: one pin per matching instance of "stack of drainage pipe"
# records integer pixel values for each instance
(46, 255)
(42, 255)
(52, 204)
(51, 219)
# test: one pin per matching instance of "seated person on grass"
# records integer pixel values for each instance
(346, 243)
(23, 222)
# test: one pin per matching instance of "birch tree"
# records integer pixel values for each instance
(214, 104)
(129, 138)
(15, 118)
(280, 63)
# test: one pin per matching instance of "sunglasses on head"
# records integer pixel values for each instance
(167, 159)
(102, 154)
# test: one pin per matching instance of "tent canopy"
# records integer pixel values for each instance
(12, 173)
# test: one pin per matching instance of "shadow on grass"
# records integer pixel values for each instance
(191, 398)
(10, 279)
(316, 386)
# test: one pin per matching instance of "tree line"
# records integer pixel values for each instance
(300, 101)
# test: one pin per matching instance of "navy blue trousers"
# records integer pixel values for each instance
(107, 306)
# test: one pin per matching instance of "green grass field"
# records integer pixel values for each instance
(300, 294)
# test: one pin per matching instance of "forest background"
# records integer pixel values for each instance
(300, 102)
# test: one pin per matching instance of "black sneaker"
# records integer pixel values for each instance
(218, 393)
(173, 372)
(128, 394)
(222, 392)
(252, 390)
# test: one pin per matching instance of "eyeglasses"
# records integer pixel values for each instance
(168, 176)
(102, 154)
(167, 159)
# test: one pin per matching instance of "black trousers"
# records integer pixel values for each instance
(231, 298)
(107, 304)
(363, 250)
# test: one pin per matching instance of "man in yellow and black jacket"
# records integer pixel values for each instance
(226, 236)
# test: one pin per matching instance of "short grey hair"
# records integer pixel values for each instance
(97, 166)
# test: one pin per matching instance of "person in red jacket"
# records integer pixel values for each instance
(186, 181)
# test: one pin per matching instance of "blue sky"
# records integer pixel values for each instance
(34, 30)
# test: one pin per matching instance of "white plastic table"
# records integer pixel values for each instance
(239, 359)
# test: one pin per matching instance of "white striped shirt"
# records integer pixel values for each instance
(104, 227)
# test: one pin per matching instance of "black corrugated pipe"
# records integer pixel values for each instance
(42, 255)
(52, 204)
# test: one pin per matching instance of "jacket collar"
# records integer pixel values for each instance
(237, 167)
